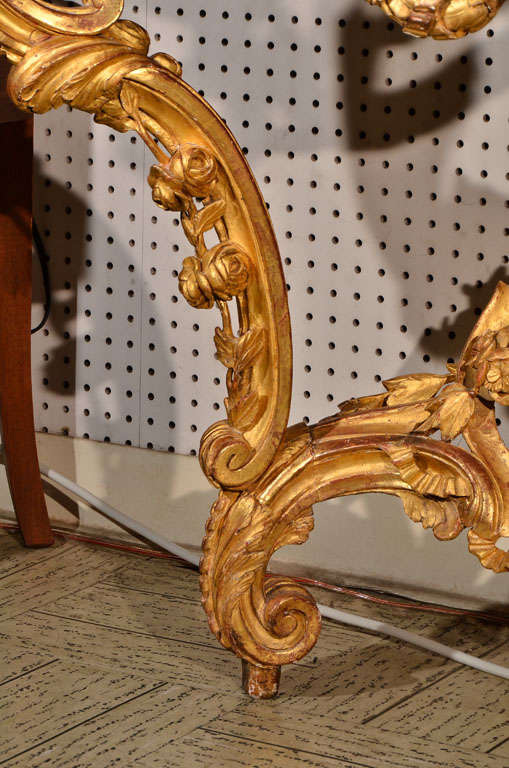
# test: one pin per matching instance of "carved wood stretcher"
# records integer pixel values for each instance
(268, 475)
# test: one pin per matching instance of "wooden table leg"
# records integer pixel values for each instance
(16, 407)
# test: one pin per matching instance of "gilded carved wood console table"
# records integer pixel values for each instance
(268, 475)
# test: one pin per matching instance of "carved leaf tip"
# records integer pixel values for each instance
(452, 412)
(238, 352)
(415, 388)
(442, 516)
(244, 411)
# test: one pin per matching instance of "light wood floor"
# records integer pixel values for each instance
(107, 661)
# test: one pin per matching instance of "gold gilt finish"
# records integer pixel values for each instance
(441, 19)
(270, 475)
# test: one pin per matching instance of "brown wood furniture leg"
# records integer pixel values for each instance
(16, 407)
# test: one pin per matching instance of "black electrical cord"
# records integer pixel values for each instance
(43, 261)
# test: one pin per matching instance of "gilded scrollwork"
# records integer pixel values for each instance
(270, 475)
(94, 16)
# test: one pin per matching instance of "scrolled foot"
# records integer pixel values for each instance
(260, 682)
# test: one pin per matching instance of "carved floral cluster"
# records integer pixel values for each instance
(190, 172)
(221, 276)
(486, 365)
(215, 274)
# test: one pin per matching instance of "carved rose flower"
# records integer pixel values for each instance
(228, 270)
(194, 169)
(190, 172)
(497, 376)
(194, 286)
(225, 275)
(165, 192)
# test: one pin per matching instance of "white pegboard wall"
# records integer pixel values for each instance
(384, 161)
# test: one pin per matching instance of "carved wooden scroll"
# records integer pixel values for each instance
(269, 475)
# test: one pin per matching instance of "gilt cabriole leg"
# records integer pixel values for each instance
(268, 475)
(370, 447)
(16, 409)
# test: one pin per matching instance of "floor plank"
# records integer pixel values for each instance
(109, 661)
(160, 615)
(477, 713)
(148, 723)
(203, 667)
(502, 750)
(54, 698)
(368, 680)
(161, 577)
(177, 618)
(15, 557)
(331, 738)
(20, 657)
(217, 750)
(74, 568)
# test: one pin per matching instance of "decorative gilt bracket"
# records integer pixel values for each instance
(269, 475)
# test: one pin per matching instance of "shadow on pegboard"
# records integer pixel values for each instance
(66, 263)
(451, 336)
(377, 119)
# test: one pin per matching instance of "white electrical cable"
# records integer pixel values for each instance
(410, 637)
(120, 518)
(329, 613)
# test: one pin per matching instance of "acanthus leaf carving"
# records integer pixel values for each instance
(415, 388)
(490, 556)
(244, 405)
(424, 478)
(239, 352)
(440, 515)
(359, 404)
(299, 528)
(451, 412)
(244, 410)
(267, 621)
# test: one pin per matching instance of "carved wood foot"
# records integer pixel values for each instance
(260, 682)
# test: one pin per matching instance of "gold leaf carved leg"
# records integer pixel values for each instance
(267, 621)
(270, 620)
